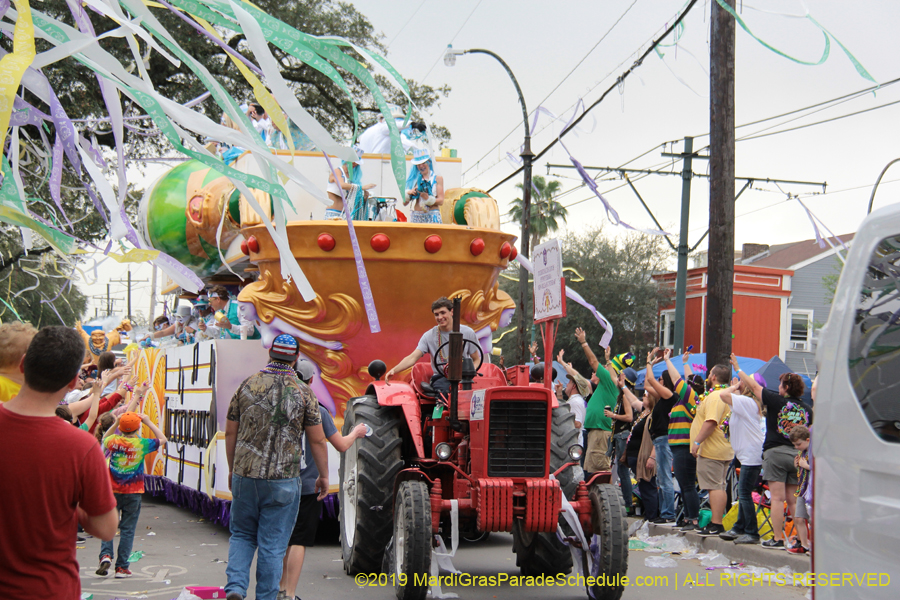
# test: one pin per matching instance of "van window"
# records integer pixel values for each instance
(874, 353)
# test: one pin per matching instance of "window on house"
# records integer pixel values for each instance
(667, 329)
(800, 330)
(873, 357)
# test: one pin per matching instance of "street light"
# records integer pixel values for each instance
(527, 159)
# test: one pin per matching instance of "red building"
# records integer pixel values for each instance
(760, 304)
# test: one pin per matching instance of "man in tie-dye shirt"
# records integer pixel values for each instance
(126, 469)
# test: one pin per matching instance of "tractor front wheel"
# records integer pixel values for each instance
(609, 523)
(367, 473)
(411, 545)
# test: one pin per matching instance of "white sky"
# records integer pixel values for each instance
(542, 42)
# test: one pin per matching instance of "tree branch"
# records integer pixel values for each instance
(22, 254)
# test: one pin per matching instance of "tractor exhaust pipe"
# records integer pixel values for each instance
(454, 366)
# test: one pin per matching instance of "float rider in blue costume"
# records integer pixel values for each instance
(229, 325)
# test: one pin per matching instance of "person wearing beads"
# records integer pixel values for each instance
(424, 189)
(712, 450)
(784, 410)
(267, 418)
(229, 324)
(431, 343)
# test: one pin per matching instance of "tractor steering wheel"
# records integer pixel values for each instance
(440, 366)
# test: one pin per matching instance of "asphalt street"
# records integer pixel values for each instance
(180, 549)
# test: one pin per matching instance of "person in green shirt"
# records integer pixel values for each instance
(597, 423)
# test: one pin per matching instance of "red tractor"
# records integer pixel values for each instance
(491, 447)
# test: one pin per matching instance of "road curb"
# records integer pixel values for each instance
(745, 553)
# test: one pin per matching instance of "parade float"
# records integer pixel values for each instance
(192, 211)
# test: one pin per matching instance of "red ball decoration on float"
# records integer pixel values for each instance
(513, 254)
(433, 243)
(244, 249)
(505, 249)
(326, 242)
(476, 247)
(253, 244)
(380, 242)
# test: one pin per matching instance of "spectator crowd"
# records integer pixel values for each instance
(72, 437)
(71, 433)
(734, 446)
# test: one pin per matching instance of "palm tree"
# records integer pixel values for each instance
(546, 212)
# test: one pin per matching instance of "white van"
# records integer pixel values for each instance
(856, 428)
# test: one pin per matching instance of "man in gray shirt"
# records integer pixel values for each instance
(433, 339)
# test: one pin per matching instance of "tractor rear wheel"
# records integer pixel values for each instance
(608, 521)
(367, 473)
(411, 545)
(538, 552)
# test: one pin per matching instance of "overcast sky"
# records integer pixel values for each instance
(665, 99)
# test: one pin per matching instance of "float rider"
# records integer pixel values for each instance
(229, 325)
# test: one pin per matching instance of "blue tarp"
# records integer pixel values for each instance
(698, 365)
(770, 370)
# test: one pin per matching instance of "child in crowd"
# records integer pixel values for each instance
(126, 465)
(105, 421)
(800, 439)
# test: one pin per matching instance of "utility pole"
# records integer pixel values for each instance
(683, 250)
(128, 282)
(720, 274)
(108, 299)
(681, 277)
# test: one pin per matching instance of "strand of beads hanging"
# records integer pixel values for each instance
(277, 367)
(715, 387)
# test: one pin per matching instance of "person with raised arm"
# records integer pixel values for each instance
(784, 410)
(599, 426)
(746, 437)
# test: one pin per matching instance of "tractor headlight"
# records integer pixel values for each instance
(575, 452)
(443, 451)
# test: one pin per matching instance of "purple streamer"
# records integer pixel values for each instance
(56, 179)
(50, 304)
(93, 151)
(364, 286)
(819, 239)
(26, 114)
(65, 130)
(97, 204)
(4, 6)
(171, 263)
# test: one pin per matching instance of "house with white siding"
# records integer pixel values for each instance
(810, 300)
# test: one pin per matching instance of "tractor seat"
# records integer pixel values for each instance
(421, 378)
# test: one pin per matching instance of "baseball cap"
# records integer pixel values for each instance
(129, 422)
(285, 347)
(305, 370)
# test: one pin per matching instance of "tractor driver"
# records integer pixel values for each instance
(433, 339)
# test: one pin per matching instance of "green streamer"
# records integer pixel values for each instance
(10, 307)
(828, 37)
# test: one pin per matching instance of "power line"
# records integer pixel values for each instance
(859, 112)
(603, 96)
(514, 129)
(411, 17)
(451, 41)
